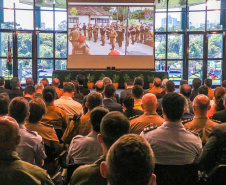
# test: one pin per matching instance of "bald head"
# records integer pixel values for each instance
(99, 86)
(9, 133)
(149, 102)
(157, 82)
(164, 82)
(185, 90)
(56, 82)
(107, 80)
(201, 104)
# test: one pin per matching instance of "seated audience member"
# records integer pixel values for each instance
(30, 148)
(201, 124)
(109, 92)
(221, 115)
(170, 88)
(29, 92)
(106, 81)
(127, 92)
(38, 90)
(30, 81)
(157, 86)
(150, 116)
(196, 83)
(54, 115)
(81, 80)
(172, 144)
(139, 81)
(99, 86)
(217, 103)
(86, 149)
(186, 115)
(128, 110)
(4, 102)
(2, 86)
(77, 95)
(137, 94)
(185, 90)
(16, 90)
(112, 127)
(214, 151)
(12, 169)
(45, 82)
(130, 160)
(203, 90)
(223, 84)
(83, 125)
(208, 84)
(55, 85)
(161, 94)
(65, 102)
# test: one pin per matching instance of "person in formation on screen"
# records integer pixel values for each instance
(73, 38)
(102, 33)
(90, 30)
(84, 29)
(113, 35)
(82, 48)
(95, 32)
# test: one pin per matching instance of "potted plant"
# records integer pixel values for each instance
(115, 80)
(126, 77)
(102, 76)
(150, 80)
(67, 78)
(90, 81)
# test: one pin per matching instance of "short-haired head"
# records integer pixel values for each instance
(2, 81)
(109, 90)
(113, 126)
(149, 102)
(137, 91)
(128, 102)
(138, 81)
(182, 82)
(4, 102)
(218, 95)
(196, 83)
(201, 104)
(129, 82)
(185, 90)
(9, 133)
(173, 106)
(164, 82)
(96, 116)
(203, 90)
(94, 99)
(81, 79)
(99, 86)
(223, 84)
(49, 94)
(29, 90)
(130, 160)
(45, 82)
(208, 82)
(19, 109)
(39, 86)
(56, 82)
(30, 81)
(157, 82)
(107, 80)
(15, 82)
(37, 110)
(75, 82)
(69, 87)
(170, 86)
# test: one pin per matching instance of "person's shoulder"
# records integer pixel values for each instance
(149, 129)
(187, 122)
(219, 130)
(78, 138)
(46, 125)
(193, 133)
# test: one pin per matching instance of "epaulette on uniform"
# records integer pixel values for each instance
(186, 121)
(133, 117)
(32, 132)
(193, 133)
(216, 121)
(149, 128)
(46, 124)
(77, 137)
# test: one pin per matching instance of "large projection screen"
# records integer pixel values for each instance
(119, 35)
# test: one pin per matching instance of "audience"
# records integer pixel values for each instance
(55, 85)
(150, 116)
(29, 92)
(127, 92)
(221, 115)
(208, 84)
(45, 82)
(161, 94)
(185, 90)
(140, 81)
(157, 86)
(38, 90)
(99, 86)
(2, 86)
(137, 94)
(81, 80)
(4, 102)
(16, 88)
(223, 84)
(12, 169)
(79, 97)
(107, 80)
(196, 83)
(203, 90)
(30, 81)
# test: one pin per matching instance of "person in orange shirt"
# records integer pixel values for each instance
(137, 94)
(56, 84)
(208, 83)
(157, 86)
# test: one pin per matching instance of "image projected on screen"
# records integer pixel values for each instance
(108, 30)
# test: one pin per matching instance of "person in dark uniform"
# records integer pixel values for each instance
(113, 35)
(133, 35)
(84, 29)
(123, 31)
(90, 30)
(142, 32)
(102, 33)
(127, 37)
(108, 30)
(95, 32)
(137, 33)
(120, 36)
(146, 30)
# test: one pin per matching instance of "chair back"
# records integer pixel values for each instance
(217, 176)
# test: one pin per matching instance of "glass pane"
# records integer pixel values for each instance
(44, 5)
(24, 44)
(21, 22)
(24, 69)
(24, 4)
(61, 65)
(45, 45)
(160, 22)
(3, 70)
(177, 5)
(160, 66)
(214, 4)
(214, 71)
(45, 69)
(160, 6)
(61, 5)
(195, 68)
(160, 46)
(7, 3)
(216, 20)
(44, 20)
(176, 21)
(61, 21)
(197, 4)
(175, 46)
(61, 45)
(4, 44)
(215, 46)
(175, 71)
(196, 21)
(6, 21)
(195, 46)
